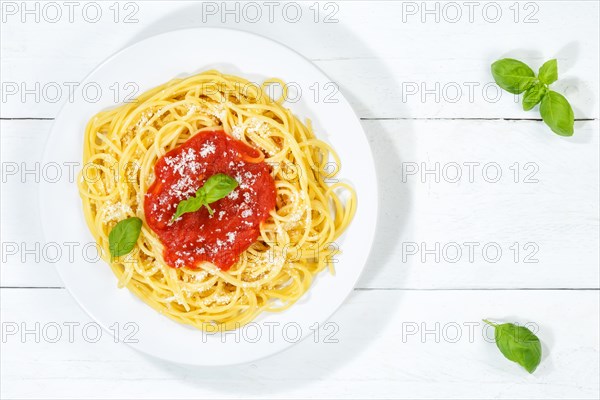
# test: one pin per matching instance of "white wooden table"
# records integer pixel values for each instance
(420, 81)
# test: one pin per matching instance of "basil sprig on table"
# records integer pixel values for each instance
(517, 77)
(215, 188)
(123, 236)
(518, 344)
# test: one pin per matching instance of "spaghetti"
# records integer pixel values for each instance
(295, 242)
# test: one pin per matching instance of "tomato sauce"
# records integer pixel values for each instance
(198, 236)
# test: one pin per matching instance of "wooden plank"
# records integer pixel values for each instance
(390, 344)
(546, 201)
(386, 60)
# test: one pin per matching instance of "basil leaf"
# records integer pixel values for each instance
(517, 77)
(512, 75)
(518, 344)
(190, 205)
(533, 96)
(215, 188)
(219, 186)
(557, 113)
(123, 236)
(549, 72)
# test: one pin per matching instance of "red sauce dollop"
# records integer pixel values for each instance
(235, 224)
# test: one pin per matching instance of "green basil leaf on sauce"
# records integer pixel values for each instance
(123, 236)
(218, 186)
(186, 206)
(215, 188)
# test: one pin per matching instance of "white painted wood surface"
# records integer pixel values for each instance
(382, 56)
(377, 354)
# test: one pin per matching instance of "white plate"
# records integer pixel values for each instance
(147, 64)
